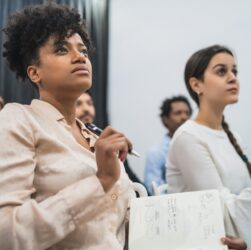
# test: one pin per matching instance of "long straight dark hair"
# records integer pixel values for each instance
(195, 67)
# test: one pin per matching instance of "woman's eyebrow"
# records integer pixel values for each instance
(219, 65)
(81, 45)
(60, 43)
(64, 42)
(222, 65)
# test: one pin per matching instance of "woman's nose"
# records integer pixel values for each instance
(78, 57)
(232, 77)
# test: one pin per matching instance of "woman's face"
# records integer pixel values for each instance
(64, 70)
(220, 85)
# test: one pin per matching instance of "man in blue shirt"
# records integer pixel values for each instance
(174, 112)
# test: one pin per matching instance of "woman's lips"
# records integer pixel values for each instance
(233, 90)
(80, 70)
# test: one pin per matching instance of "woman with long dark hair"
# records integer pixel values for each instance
(204, 153)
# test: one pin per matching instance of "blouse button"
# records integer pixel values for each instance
(114, 197)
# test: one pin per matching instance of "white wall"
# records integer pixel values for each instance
(150, 41)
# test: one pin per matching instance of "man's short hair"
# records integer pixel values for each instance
(166, 106)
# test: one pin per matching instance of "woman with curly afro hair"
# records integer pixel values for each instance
(61, 187)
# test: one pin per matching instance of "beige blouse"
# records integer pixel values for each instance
(50, 197)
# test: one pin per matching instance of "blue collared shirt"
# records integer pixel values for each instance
(155, 169)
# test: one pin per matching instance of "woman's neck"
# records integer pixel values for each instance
(210, 116)
(65, 106)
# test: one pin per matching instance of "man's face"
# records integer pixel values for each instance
(179, 114)
(85, 110)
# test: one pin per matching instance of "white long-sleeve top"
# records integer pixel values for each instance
(203, 158)
(50, 197)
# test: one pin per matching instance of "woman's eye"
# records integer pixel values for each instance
(235, 72)
(221, 72)
(84, 52)
(61, 50)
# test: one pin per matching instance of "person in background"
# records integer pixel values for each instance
(174, 112)
(86, 112)
(1, 102)
(204, 153)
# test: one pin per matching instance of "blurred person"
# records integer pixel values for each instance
(85, 110)
(204, 153)
(1, 102)
(174, 112)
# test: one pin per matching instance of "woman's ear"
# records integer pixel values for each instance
(195, 85)
(33, 74)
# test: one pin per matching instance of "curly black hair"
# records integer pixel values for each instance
(166, 106)
(29, 29)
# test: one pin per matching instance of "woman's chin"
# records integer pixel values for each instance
(83, 86)
(233, 100)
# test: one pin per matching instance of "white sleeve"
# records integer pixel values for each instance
(25, 223)
(239, 207)
(192, 158)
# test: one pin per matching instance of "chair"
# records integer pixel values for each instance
(158, 190)
(140, 189)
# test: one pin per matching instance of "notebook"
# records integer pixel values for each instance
(182, 221)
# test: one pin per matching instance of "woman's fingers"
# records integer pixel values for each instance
(109, 148)
(116, 140)
(234, 243)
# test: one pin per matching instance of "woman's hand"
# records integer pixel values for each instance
(111, 147)
(234, 243)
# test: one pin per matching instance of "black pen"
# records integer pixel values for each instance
(96, 130)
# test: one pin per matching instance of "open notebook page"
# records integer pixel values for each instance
(182, 221)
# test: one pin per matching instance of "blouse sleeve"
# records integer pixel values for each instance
(25, 223)
(192, 158)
